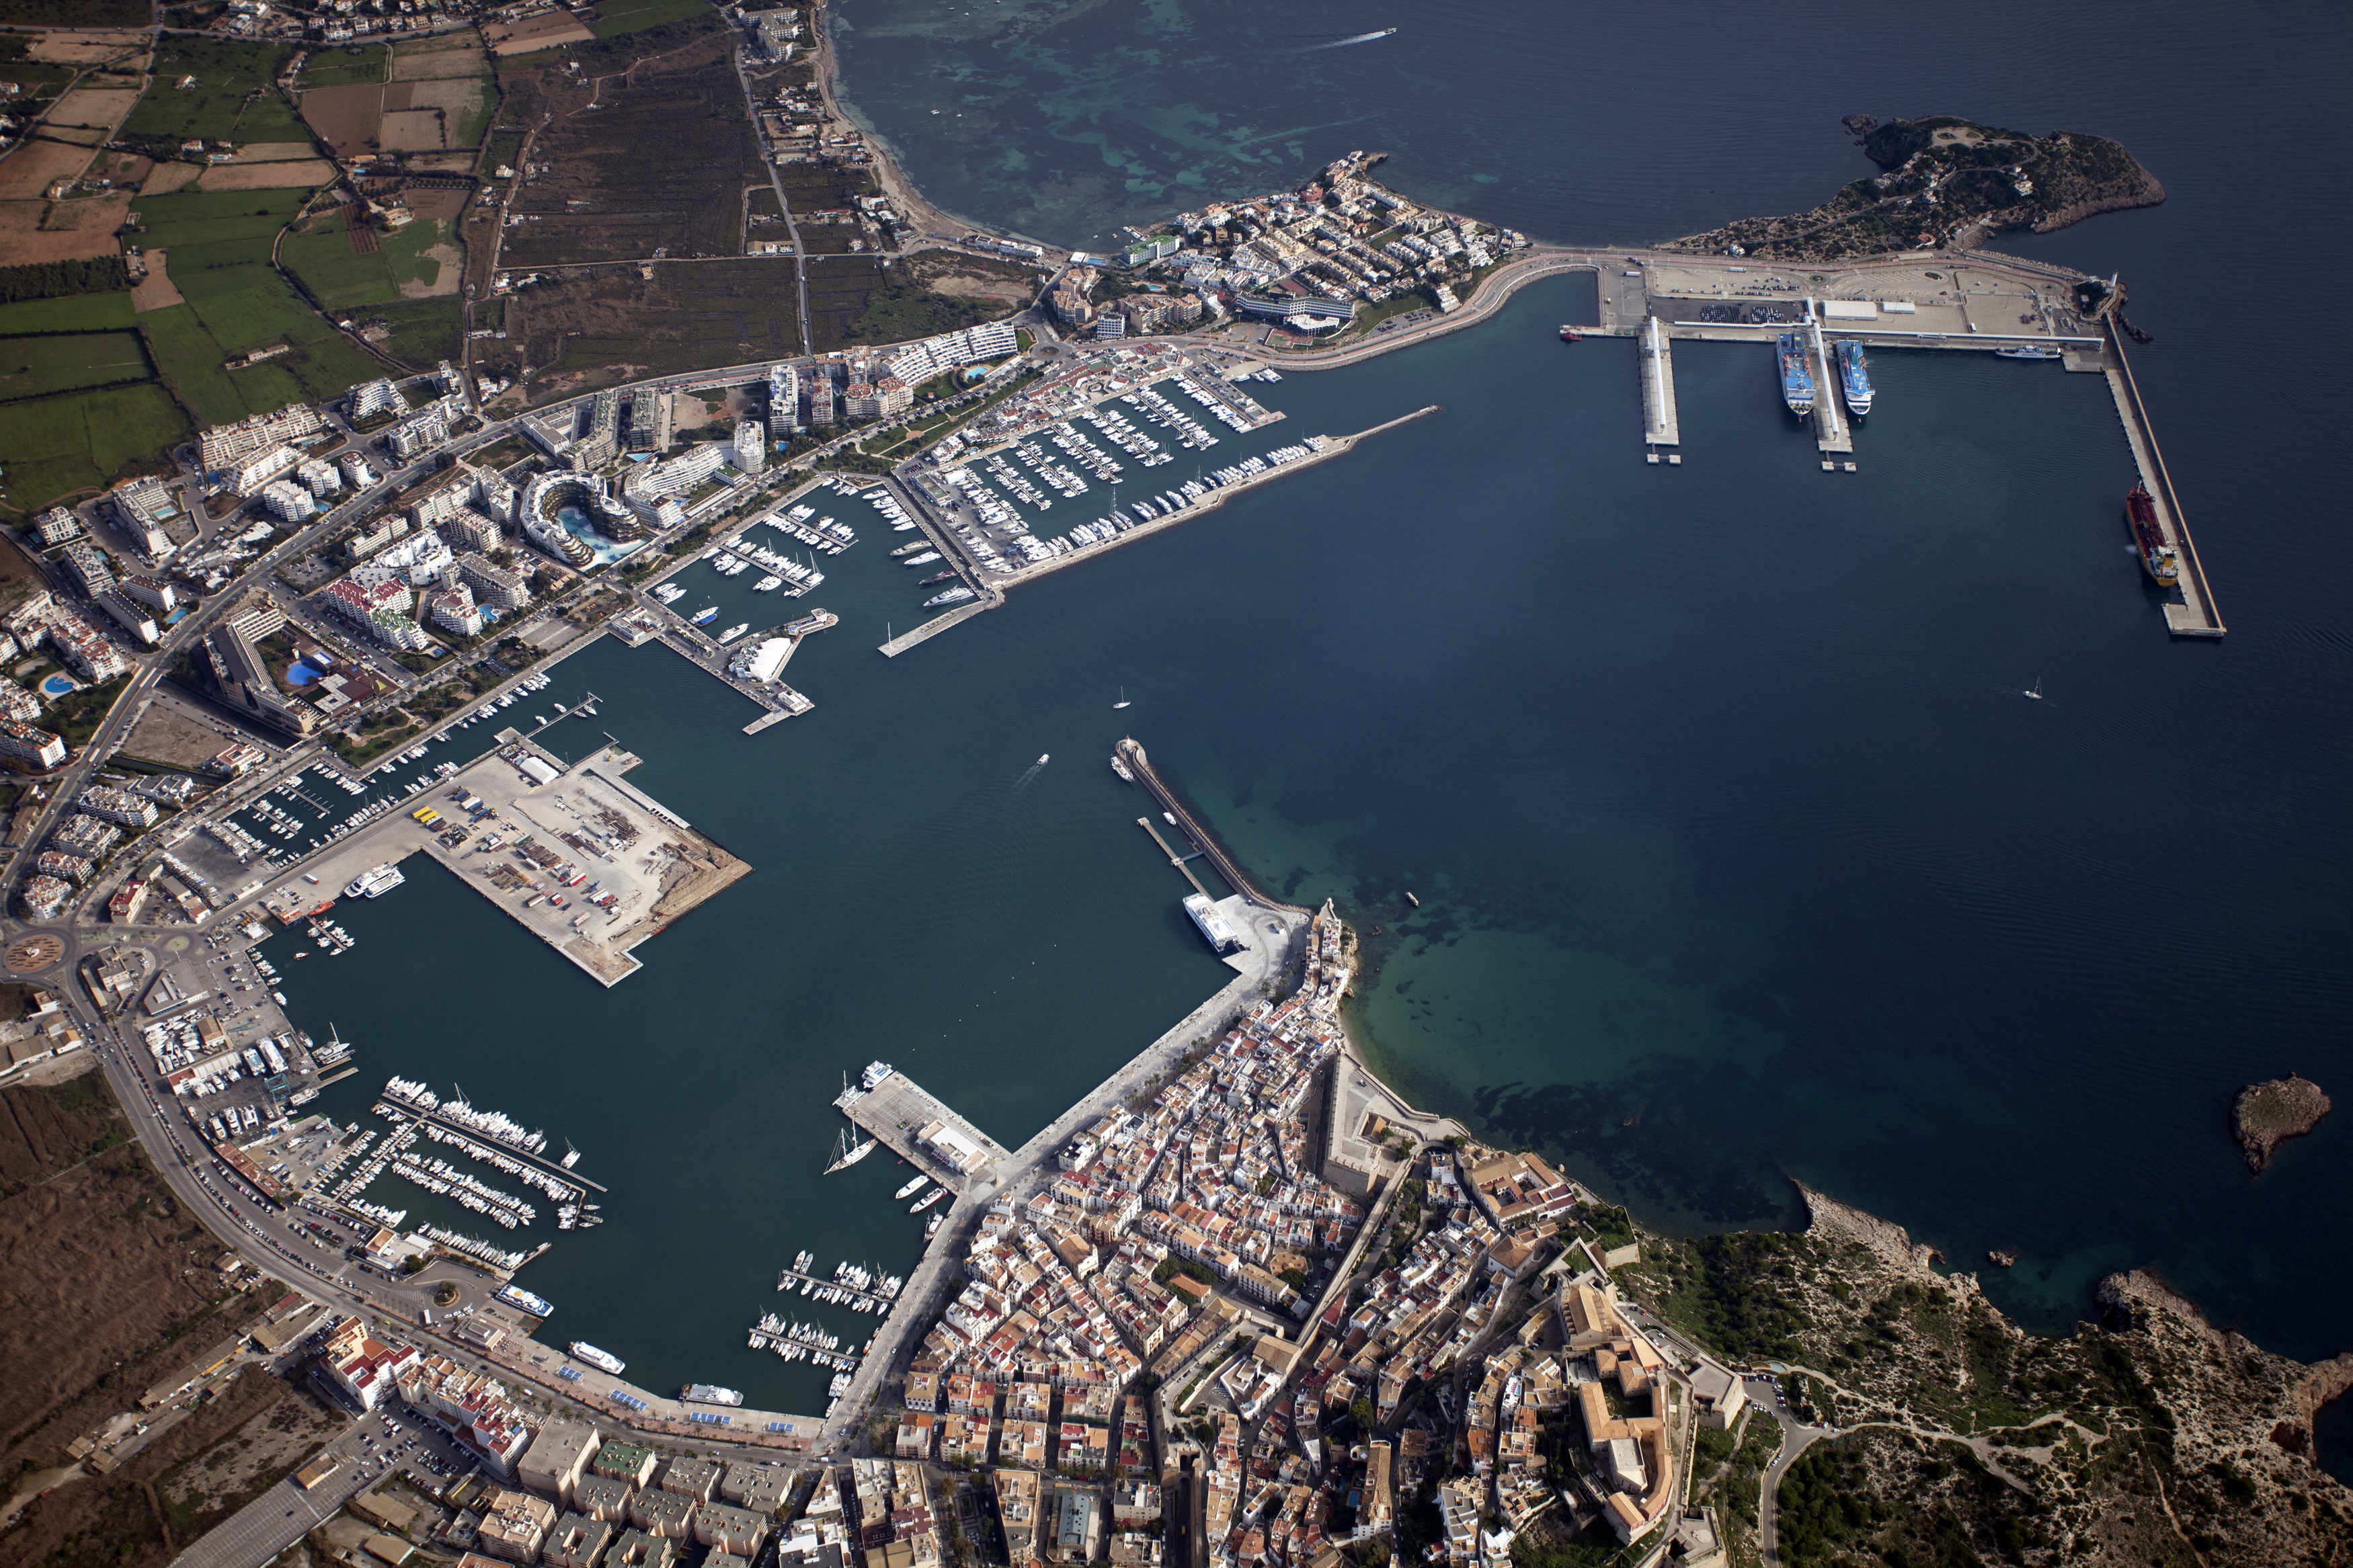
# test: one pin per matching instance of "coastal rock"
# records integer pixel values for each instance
(2198, 1441)
(1949, 181)
(2267, 1114)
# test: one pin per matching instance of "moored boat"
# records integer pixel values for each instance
(1854, 377)
(1797, 379)
(583, 1351)
(2161, 561)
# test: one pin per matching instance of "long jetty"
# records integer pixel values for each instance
(1236, 878)
(1660, 428)
(993, 590)
(2195, 615)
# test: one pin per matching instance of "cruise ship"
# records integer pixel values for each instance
(710, 1393)
(1854, 377)
(516, 1296)
(2158, 559)
(583, 1351)
(1797, 379)
(374, 884)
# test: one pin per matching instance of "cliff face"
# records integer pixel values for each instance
(2151, 1436)
(1949, 181)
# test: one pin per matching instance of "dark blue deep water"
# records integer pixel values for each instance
(1740, 857)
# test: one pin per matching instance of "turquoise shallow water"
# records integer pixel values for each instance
(1740, 856)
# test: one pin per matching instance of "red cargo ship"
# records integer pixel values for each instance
(2158, 559)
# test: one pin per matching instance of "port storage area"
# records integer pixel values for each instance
(587, 862)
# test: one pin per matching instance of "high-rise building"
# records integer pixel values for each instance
(783, 401)
(751, 447)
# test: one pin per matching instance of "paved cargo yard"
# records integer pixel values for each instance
(538, 825)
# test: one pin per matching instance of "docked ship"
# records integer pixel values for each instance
(583, 1351)
(867, 1082)
(710, 1393)
(374, 884)
(517, 1297)
(955, 596)
(911, 1188)
(1569, 334)
(1854, 377)
(704, 618)
(2158, 559)
(845, 1154)
(2028, 351)
(1797, 378)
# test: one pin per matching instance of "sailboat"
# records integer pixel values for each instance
(1122, 698)
(846, 1154)
(2036, 694)
(571, 1155)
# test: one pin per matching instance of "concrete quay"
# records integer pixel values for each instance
(2195, 615)
(644, 854)
(1660, 428)
(897, 1108)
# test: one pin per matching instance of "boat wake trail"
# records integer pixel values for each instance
(1033, 770)
(1344, 43)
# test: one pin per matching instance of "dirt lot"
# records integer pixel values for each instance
(108, 1284)
(84, 49)
(444, 55)
(195, 1475)
(169, 177)
(413, 131)
(583, 331)
(59, 231)
(155, 291)
(345, 118)
(971, 278)
(275, 152)
(29, 171)
(266, 176)
(542, 32)
(95, 112)
(165, 735)
(658, 162)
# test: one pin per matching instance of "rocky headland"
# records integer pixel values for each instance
(2266, 1115)
(1947, 181)
(1956, 1437)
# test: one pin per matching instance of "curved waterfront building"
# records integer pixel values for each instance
(589, 496)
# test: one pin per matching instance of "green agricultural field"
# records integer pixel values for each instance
(35, 367)
(187, 218)
(222, 103)
(342, 66)
(322, 257)
(82, 440)
(618, 16)
(424, 331)
(189, 362)
(80, 313)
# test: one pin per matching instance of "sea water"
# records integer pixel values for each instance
(1740, 854)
